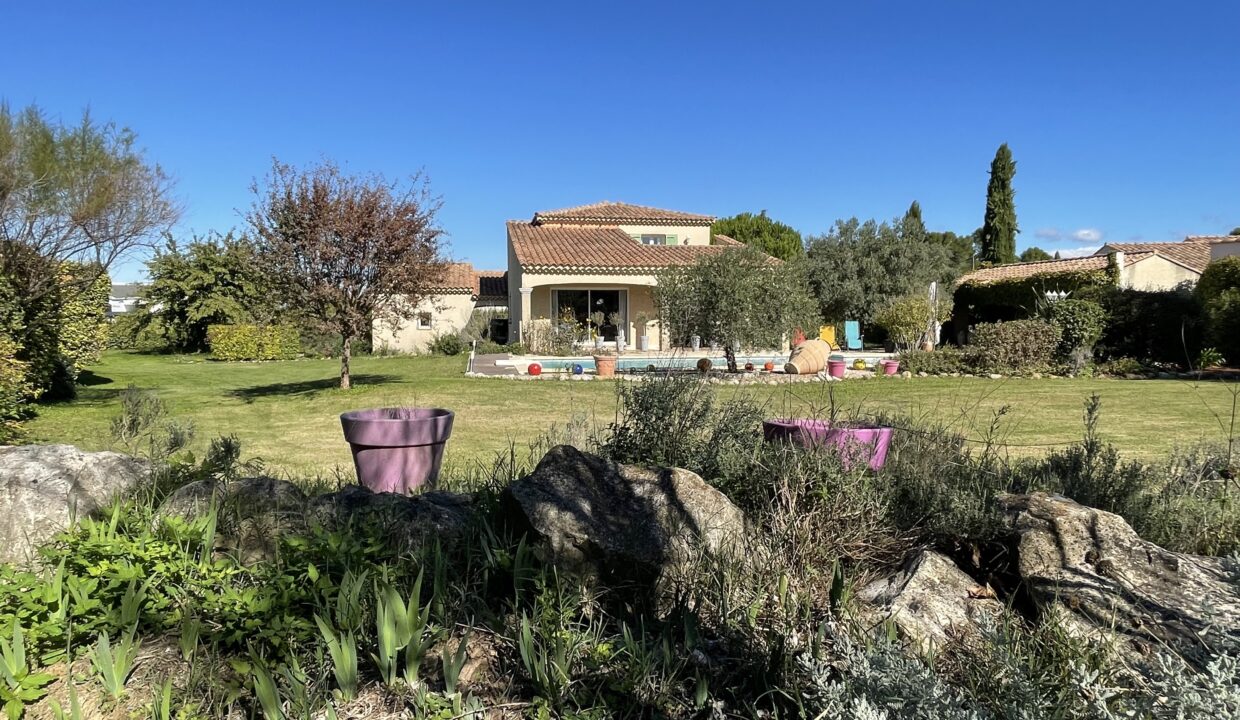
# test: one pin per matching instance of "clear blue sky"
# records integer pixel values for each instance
(1124, 118)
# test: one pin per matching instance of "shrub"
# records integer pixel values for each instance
(943, 361)
(1162, 326)
(83, 326)
(906, 319)
(1082, 323)
(1013, 347)
(1223, 323)
(15, 389)
(449, 344)
(1218, 277)
(1121, 366)
(253, 342)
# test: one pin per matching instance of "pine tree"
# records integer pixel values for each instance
(914, 228)
(999, 228)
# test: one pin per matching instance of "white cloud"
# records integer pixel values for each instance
(1088, 235)
(1075, 252)
(1049, 234)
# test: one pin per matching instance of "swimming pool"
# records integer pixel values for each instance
(560, 364)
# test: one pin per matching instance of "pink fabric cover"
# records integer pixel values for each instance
(854, 442)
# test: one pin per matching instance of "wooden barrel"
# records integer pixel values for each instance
(808, 358)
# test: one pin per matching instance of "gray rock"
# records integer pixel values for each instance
(994, 376)
(1090, 570)
(930, 600)
(45, 488)
(409, 522)
(251, 514)
(624, 523)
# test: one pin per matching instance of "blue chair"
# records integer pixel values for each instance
(852, 335)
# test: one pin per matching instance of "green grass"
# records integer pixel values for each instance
(287, 412)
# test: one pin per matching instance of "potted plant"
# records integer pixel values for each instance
(596, 322)
(643, 339)
(397, 449)
(613, 319)
(604, 363)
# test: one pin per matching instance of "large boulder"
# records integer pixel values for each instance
(251, 513)
(1089, 569)
(45, 488)
(931, 601)
(623, 523)
(408, 522)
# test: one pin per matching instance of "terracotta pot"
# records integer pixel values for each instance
(605, 365)
(854, 441)
(397, 449)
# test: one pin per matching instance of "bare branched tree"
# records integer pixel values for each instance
(344, 250)
(81, 193)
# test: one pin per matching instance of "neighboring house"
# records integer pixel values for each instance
(124, 298)
(1225, 248)
(603, 257)
(462, 291)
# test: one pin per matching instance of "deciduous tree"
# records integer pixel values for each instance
(1033, 254)
(345, 250)
(736, 297)
(760, 231)
(998, 242)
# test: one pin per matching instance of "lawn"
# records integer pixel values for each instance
(287, 412)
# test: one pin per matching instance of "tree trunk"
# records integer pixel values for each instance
(730, 354)
(346, 354)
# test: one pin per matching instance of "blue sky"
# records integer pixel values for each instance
(1124, 118)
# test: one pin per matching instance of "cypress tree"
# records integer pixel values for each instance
(913, 226)
(999, 228)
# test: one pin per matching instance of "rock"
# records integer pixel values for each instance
(906, 374)
(1089, 569)
(623, 523)
(44, 488)
(251, 514)
(408, 521)
(1036, 376)
(995, 376)
(930, 600)
(922, 373)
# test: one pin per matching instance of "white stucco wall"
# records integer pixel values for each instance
(449, 313)
(1157, 273)
(1226, 248)
(685, 234)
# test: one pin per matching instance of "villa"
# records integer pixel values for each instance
(603, 257)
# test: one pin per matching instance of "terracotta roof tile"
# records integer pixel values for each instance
(618, 213)
(462, 278)
(1016, 271)
(1194, 255)
(1211, 239)
(592, 247)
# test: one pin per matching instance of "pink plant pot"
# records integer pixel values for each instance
(855, 442)
(397, 449)
(891, 367)
(835, 368)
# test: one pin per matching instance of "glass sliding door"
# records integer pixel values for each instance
(581, 305)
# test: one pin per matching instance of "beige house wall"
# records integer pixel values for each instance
(638, 287)
(1157, 273)
(685, 234)
(1226, 248)
(449, 313)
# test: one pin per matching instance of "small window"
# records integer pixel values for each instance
(424, 321)
(654, 240)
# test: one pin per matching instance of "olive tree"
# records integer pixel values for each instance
(736, 297)
(343, 250)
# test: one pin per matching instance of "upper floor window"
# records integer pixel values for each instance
(424, 321)
(656, 239)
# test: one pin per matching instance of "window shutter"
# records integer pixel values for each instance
(671, 239)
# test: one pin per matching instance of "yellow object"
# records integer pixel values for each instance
(826, 333)
(858, 364)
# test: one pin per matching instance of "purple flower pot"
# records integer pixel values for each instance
(397, 449)
(854, 441)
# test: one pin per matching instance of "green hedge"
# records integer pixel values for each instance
(15, 389)
(1019, 346)
(253, 342)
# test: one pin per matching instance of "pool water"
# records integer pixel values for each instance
(639, 363)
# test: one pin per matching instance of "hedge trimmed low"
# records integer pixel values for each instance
(253, 342)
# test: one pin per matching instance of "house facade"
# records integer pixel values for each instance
(462, 292)
(600, 258)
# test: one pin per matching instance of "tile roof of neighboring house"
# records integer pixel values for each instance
(462, 278)
(618, 213)
(591, 247)
(1211, 238)
(125, 290)
(1015, 271)
(1194, 255)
